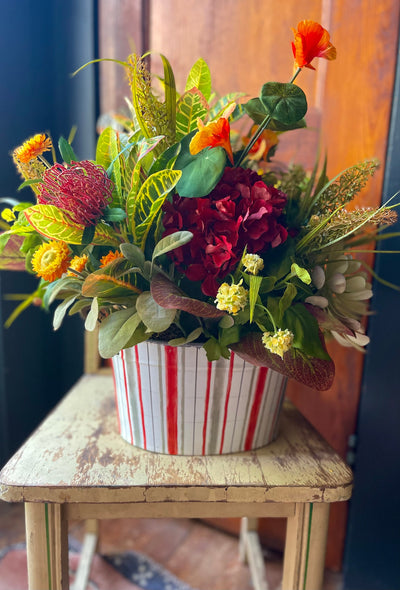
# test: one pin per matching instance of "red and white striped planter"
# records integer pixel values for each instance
(173, 400)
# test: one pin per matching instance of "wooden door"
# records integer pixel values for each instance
(246, 43)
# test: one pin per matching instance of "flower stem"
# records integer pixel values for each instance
(262, 127)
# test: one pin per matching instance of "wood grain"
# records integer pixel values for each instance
(77, 455)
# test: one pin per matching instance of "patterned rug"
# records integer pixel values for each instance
(126, 571)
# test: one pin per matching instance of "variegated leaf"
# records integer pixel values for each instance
(191, 106)
(149, 200)
(53, 223)
(200, 78)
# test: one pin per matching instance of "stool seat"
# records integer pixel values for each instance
(77, 466)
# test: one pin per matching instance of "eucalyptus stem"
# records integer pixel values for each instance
(261, 127)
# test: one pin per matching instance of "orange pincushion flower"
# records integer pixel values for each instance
(104, 260)
(32, 148)
(311, 40)
(51, 260)
(215, 134)
(78, 263)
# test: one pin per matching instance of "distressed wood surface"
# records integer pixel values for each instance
(77, 455)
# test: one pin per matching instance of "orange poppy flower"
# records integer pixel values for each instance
(311, 40)
(267, 140)
(215, 134)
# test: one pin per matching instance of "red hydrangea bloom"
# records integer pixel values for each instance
(83, 190)
(241, 211)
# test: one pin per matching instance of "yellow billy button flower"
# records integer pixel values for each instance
(78, 263)
(51, 260)
(253, 263)
(278, 342)
(231, 298)
(32, 148)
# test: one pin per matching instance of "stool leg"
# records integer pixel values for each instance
(250, 552)
(88, 551)
(304, 559)
(46, 547)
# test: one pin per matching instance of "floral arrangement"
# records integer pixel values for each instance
(183, 230)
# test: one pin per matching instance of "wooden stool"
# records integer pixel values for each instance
(76, 466)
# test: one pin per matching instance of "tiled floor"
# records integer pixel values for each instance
(198, 554)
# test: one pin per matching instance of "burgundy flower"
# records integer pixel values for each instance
(241, 211)
(83, 190)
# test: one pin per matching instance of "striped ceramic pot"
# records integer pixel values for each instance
(172, 400)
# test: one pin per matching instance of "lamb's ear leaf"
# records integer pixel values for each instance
(116, 330)
(313, 372)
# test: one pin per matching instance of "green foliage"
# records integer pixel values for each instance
(199, 78)
(202, 172)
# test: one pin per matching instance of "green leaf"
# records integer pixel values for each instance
(88, 234)
(149, 201)
(199, 77)
(226, 321)
(175, 240)
(133, 254)
(202, 173)
(191, 106)
(54, 289)
(52, 222)
(302, 273)
(255, 284)
(305, 328)
(66, 151)
(132, 195)
(101, 284)
(103, 155)
(155, 317)
(257, 111)
(114, 214)
(223, 104)
(285, 103)
(93, 316)
(29, 183)
(167, 159)
(170, 96)
(286, 300)
(61, 310)
(116, 330)
(213, 349)
(190, 338)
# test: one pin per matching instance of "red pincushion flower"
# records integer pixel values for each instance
(241, 211)
(83, 190)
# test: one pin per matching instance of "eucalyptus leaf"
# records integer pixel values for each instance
(226, 321)
(175, 240)
(155, 317)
